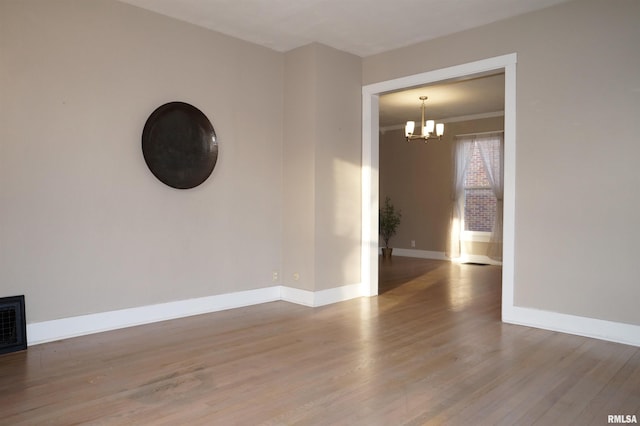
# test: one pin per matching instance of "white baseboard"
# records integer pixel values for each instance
(322, 297)
(627, 334)
(297, 296)
(582, 326)
(421, 254)
(439, 255)
(48, 331)
(337, 294)
(64, 328)
(476, 258)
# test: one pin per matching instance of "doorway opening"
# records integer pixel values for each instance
(421, 177)
(370, 163)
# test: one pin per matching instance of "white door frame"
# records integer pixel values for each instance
(371, 159)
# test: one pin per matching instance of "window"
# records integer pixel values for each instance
(478, 193)
(479, 199)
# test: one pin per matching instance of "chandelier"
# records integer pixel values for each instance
(427, 127)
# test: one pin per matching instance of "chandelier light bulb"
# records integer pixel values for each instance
(427, 127)
(430, 125)
(409, 128)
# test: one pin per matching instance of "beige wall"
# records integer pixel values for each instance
(299, 180)
(321, 168)
(418, 178)
(84, 225)
(577, 130)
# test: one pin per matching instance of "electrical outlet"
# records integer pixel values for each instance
(274, 276)
(413, 243)
(296, 276)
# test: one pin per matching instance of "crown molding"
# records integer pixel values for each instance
(450, 120)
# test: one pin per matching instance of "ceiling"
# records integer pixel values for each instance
(446, 101)
(363, 28)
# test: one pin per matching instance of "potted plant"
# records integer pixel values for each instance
(388, 225)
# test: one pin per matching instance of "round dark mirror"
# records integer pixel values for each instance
(179, 145)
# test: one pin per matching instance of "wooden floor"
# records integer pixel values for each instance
(429, 350)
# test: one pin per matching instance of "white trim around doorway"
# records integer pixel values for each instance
(370, 164)
(582, 326)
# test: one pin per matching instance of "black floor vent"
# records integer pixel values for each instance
(13, 328)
